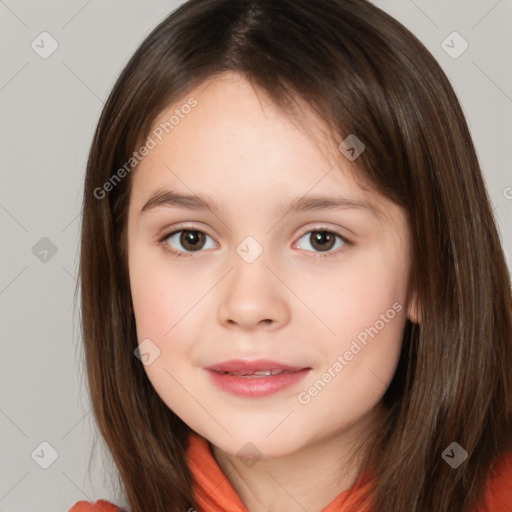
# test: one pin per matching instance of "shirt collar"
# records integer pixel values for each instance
(214, 492)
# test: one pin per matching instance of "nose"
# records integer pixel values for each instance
(252, 297)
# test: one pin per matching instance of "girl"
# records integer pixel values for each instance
(293, 291)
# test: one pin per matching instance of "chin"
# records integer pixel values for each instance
(255, 444)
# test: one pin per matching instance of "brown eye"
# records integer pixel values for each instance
(192, 240)
(183, 242)
(322, 242)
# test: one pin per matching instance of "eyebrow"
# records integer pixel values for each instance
(198, 202)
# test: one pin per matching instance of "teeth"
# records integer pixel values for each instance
(261, 373)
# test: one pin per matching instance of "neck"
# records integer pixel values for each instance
(308, 479)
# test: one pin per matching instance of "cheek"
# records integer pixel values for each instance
(163, 303)
(363, 305)
(354, 294)
(356, 370)
(169, 304)
(163, 295)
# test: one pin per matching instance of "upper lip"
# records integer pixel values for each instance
(254, 365)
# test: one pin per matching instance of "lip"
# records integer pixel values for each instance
(253, 386)
(254, 365)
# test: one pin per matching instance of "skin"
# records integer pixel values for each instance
(290, 304)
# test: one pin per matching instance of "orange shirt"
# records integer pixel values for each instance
(214, 492)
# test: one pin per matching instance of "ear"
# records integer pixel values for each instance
(413, 309)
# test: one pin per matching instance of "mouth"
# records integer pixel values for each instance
(255, 378)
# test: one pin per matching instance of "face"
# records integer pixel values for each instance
(250, 277)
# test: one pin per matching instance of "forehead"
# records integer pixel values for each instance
(236, 145)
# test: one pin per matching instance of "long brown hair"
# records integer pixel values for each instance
(364, 74)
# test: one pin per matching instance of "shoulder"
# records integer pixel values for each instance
(98, 506)
(498, 497)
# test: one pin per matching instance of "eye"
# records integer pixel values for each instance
(182, 242)
(323, 241)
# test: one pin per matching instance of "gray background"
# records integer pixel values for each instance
(49, 109)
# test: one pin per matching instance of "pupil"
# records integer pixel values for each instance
(323, 239)
(190, 239)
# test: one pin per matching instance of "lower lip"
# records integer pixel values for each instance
(256, 386)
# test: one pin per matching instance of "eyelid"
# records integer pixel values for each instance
(319, 226)
(167, 232)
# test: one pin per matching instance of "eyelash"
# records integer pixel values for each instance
(178, 229)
